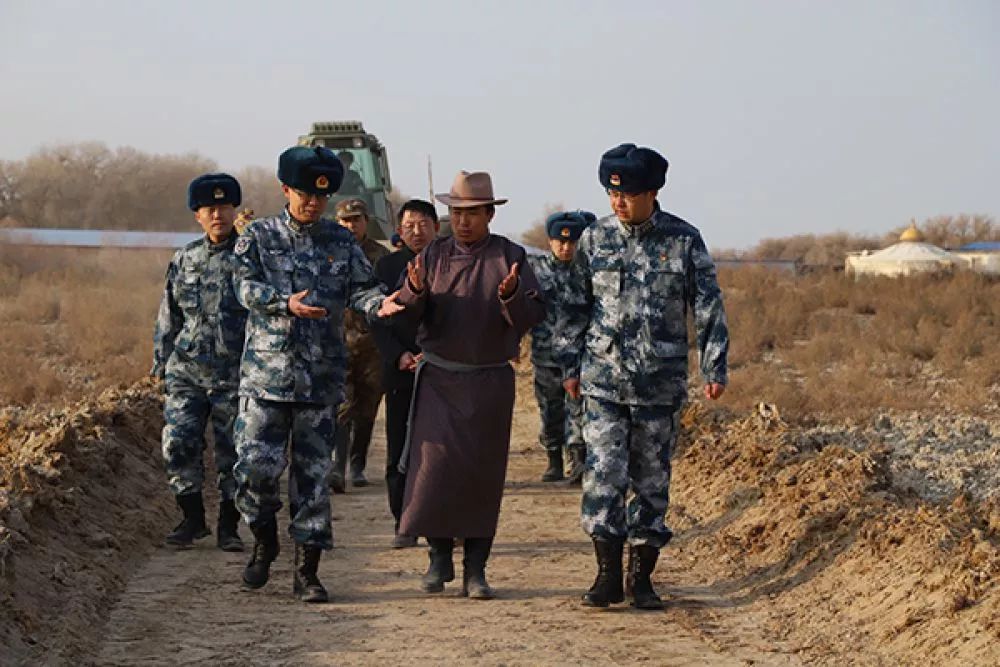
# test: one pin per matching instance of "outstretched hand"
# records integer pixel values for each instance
(509, 284)
(299, 309)
(390, 306)
(416, 274)
(572, 387)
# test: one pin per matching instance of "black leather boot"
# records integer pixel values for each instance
(441, 569)
(192, 527)
(341, 441)
(265, 550)
(361, 431)
(477, 552)
(607, 588)
(554, 472)
(306, 585)
(638, 585)
(227, 535)
(577, 465)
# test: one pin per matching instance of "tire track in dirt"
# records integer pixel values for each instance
(185, 608)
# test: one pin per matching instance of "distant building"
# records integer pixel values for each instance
(94, 238)
(982, 256)
(911, 255)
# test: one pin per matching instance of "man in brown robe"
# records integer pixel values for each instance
(474, 296)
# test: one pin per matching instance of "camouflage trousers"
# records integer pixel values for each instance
(187, 410)
(561, 415)
(628, 454)
(270, 436)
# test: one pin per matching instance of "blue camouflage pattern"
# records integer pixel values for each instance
(197, 345)
(272, 436)
(561, 415)
(628, 449)
(560, 283)
(187, 412)
(289, 358)
(623, 332)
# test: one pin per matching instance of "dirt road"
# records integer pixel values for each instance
(185, 608)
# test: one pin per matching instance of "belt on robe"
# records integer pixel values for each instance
(448, 365)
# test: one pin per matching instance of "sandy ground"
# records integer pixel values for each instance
(185, 607)
(793, 545)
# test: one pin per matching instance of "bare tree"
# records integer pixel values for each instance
(536, 235)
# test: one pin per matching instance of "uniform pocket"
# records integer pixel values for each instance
(187, 291)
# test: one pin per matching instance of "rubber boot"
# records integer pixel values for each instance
(265, 550)
(361, 430)
(638, 585)
(477, 552)
(306, 585)
(442, 568)
(192, 527)
(607, 588)
(578, 465)
(227, 534)
(554, 472)
(341, 441)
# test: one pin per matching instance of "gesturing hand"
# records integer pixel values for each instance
(299, 309)
(416, 274)
(389, 306)
(407, 362)
(509, 284)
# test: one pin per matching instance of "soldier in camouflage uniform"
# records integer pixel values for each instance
(297, 273)
(626, 352)
(196, 352)
(356, 416)
(561, 414)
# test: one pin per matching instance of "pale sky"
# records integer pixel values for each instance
(777, 117)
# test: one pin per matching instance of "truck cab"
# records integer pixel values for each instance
(366, 170)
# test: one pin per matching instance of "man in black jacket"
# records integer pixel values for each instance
(396, 339)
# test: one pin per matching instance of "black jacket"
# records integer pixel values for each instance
(399, 333)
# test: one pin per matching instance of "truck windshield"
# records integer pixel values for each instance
(360, 171)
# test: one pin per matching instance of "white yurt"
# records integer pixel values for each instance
(911, 255)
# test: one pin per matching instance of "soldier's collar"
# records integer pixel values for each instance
(227, 244)
(295, 225)
(642, 227)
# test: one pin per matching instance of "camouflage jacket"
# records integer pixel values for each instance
(356, 333)
(558, 281)
(628, 342)
(295, 359)
(200, 324)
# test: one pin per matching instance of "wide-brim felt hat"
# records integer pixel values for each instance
(469, 190)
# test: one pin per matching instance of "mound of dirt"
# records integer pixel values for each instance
(81, 504)
(849, 564)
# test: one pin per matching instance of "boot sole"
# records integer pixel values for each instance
(479, 595)
(231, 547)
(187, 545)
(601, 604)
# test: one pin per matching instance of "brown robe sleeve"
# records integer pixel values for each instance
(526, 306)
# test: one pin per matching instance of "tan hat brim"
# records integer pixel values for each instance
(458, 202)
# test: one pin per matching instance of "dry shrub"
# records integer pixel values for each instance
(75, 321)
(821, 343)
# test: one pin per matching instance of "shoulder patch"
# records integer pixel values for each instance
(242, 245)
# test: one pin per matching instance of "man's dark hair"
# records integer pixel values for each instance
(420, 206)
